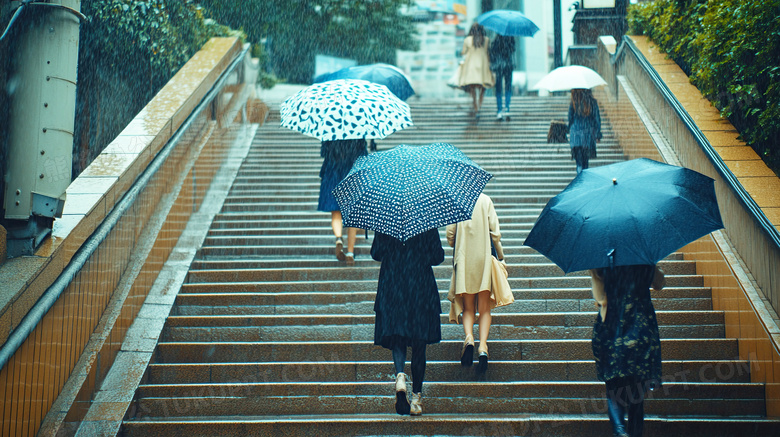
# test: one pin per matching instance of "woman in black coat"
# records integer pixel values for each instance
(407, 306)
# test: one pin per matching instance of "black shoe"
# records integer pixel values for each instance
(467, 355)
(615, 412)
(483, 362)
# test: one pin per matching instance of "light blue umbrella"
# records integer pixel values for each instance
(508, 23)
(408, 190)
(388, 75)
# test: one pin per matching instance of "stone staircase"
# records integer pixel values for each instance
(271, 335)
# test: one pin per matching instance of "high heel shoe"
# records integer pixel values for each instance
(483, 362)
(467, 354)
(401, 403)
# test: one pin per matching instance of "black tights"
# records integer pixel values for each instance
(626, 395)
(418, 363)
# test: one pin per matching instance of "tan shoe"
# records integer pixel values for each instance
(401, 403)
(340, 250)
(350, 258)
(416, 407)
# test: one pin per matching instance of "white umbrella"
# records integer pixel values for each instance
(345, 109)
(570, 77)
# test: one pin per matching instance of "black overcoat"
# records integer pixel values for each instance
(407, 304)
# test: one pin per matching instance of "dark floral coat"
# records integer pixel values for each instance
(627, 342)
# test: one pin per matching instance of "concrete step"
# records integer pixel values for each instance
(719, 372)
(516, 264)
(365, 332)
(251, 269)
(505, 320)
(552, 424)
(443, 280)
(286, 398)
(502, 350)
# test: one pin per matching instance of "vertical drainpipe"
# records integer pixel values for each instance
(558, 37)
(44, 52)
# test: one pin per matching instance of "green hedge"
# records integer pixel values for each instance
(730, 49)
(128, 50)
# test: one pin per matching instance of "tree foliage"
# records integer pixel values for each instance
(294, 31)
(730, 50)
(129, 49)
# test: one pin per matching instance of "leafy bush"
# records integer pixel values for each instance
(129, 49)
(729, 48)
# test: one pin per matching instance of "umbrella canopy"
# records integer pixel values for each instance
(570, 77)
(345, 109)
(508, 23)
(630, 213)
(408, 190)
(388, 75)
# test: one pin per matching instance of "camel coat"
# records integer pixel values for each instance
(471, 263)
(475, 69)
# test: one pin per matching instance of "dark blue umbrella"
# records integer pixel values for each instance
(391, 77)
(408, 190)
(629, 213)
(508, 23)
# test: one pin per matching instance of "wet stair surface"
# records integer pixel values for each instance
(271, 335)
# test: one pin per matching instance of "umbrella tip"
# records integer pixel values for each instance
(614, 181)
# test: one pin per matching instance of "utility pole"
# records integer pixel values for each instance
(558, 38)
(44, 59)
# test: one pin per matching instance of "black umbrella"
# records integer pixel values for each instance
(629, 213)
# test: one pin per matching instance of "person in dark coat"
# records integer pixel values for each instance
(626, 344)
(407, 306)
(584, 127)
(502, 51)
(339, 156)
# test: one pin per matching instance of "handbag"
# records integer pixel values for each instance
(558, 131)
(454, 80)
(500, 289)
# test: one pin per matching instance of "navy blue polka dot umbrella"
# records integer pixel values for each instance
(345, 109)
(408, 190)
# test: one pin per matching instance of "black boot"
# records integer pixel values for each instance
(615, 412)
(636, 418)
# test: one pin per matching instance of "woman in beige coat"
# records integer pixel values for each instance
(475, 75)
(471, 275)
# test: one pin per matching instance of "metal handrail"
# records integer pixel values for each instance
(82, 255)
(728, 176)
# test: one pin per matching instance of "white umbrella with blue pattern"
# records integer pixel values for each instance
(408, 190)
(345, 109)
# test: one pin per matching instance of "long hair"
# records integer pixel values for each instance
(478, 34)
(582, 101)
